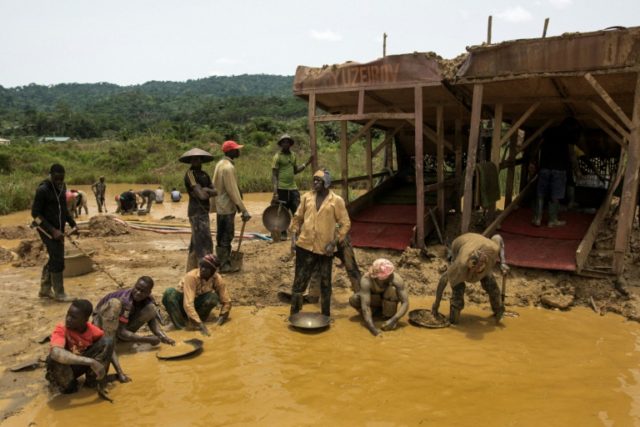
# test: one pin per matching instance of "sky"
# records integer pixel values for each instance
(133, 41)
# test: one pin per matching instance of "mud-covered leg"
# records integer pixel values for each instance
(457, 302)
(439, 291)
(491, 288)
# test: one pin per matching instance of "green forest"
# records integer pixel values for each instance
(136, 133)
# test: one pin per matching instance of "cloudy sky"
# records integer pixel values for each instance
(133, 41)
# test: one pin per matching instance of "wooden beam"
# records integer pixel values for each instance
(608, 100)
(344, 161)
(518, 124)
(387, 140)
(582, 253)
(366, 116)
(361, 101)
(312, 131)
(364, 129)
(617, 138)
(629, 188)
(366, 177)
(474, 133)
(457, 139)
(496, 137)
(534, 136)
(440, 164)
(369, 161)
(607, 118)
(436, 186)
(491, 229)
(511, 172)
(419, 166)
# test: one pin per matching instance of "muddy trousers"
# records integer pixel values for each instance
(346, 254)
(490, 287)
(54, 266)
(100, 202)
(65, 377)
(201, 243)
(224, 235)
(307, 263)
(173, 301)
(385, 304)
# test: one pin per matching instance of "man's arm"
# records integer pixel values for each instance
(404, 304)
(193, 187)
(220, 287)
(126, 335)
(66, 357)
(37, 212)
(231, 185)
(156, 329)
(297, 169)
(439, 291)
(342, 219)
(365, 305)
(503, 262)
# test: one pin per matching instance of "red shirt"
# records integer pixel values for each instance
(73, 341)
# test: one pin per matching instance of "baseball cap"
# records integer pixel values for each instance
(230, 145)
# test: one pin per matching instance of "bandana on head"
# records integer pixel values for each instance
(381, 269)
(210, 260)
(325, 175)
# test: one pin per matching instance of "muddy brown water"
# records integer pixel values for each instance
(544, 368)
(256, 203)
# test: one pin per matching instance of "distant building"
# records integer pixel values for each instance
(54, 139)
(5, 141)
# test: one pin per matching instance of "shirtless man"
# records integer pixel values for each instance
(473, 259)
(381, 288)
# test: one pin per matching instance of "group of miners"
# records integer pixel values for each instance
(319, 232)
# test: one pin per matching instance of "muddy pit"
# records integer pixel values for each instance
(475, 373)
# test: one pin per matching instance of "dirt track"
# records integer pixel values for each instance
(268, 268)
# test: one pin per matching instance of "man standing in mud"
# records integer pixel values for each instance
(99, 189)
(473, 259)
(228, 202)
(78, 348)
(50, 214)
(200, 189)
(381, 288)
(314, 238)
(122, 313)
(283, 170)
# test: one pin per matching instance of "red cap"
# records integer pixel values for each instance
(230, 145)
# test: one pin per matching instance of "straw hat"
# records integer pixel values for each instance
(196, 152)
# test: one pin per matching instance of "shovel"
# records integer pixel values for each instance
(236, 257)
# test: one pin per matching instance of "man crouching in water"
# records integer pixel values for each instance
(381, 289)
(78, 348)
(473, 258)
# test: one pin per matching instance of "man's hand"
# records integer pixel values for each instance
(245, 216)
(389, 325)
(203, 329)
(328, 250)
(124, 378)
(74, 231)
(275, 199)
(221, 320)
(211, 192)
(166, 340)
(57, 234)
(153, 340)
(375, 331)
(434, 310)
(504, 268)
(98, 369)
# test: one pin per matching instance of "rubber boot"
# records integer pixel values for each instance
(537, 211)
(58, 288)
(571, 197)
(224, 256)
(45, 284)
(296, 302)
(553, 215)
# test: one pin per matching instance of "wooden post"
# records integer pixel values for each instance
(312, 131)
(369, 161)
(474, 133)
(546, 25)
(440, 164)
(512, 148)
(344, 160)
(388, 151)
(629, 188)
(457, 141)
(384, 44)
(419, 160)
(495, 140)
(489, 22)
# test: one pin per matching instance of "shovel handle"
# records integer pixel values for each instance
(241, 235)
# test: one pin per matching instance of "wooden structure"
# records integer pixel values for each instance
(402, 96)
(532, 85)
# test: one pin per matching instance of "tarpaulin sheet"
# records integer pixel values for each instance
(519, 222)
(391, 214)
(384, 226)
(536, 252)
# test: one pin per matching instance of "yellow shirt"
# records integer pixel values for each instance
(317, 228)
(192, 286)
(228, 200)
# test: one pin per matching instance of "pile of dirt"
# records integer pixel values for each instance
(30, 252)
(107, 225)
(17, 232)
(5, 256)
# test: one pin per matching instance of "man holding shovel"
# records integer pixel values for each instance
(473, 259)
(50, 214)
(228, 202)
